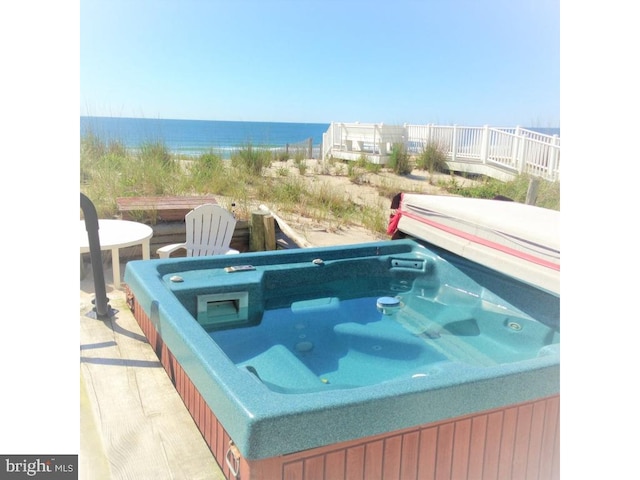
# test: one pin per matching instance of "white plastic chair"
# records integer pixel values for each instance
(209, 229)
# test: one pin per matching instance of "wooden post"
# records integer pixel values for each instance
(263, 232)
(269, 232)
(532, 191)
(310, 147)
(287, 230)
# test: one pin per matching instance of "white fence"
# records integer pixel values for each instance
(498, 152)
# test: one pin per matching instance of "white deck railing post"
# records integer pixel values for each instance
(405, 137)
(515, 147)
(553, 159)
(376, 130)
(322, 147)
(454, 143)
(484, 145)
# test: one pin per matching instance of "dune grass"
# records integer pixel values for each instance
(548, 192)
(108, 170)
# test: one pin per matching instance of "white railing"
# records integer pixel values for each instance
(510, 151)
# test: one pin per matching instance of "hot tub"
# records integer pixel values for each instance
(358, 358)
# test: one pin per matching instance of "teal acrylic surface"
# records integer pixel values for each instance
(328, 343)
(316, 362)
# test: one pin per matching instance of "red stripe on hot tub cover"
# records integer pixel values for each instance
(481, 241)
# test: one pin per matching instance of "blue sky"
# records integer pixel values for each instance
(466, 62)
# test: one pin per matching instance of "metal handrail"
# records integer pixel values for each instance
(102, 309)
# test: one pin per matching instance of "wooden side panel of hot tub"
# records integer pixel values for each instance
(211, 429)
(518, 441)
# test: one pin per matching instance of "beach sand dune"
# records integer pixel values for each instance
(365, 190)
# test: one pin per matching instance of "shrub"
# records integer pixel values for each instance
(288, 191)
(156, 154)
(432, 158)
(399, 160)
(206, 166)
(282, 156)
(301, 164)
(300, 155)
(205, 173)
(516, 190)
(356, 170)
(92, 148)
(254, 160)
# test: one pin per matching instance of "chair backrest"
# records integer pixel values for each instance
(209, 230)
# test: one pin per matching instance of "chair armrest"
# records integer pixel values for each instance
(167, 250)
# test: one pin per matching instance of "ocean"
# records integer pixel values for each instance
(193, 137)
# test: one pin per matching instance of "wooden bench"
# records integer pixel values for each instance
(161, 208)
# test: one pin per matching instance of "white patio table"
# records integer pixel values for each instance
(117, 234)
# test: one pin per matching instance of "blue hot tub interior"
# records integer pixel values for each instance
(373, 326)
(336, 341)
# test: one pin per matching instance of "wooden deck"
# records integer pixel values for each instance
(133, 423)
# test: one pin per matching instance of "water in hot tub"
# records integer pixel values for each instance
(328, 342)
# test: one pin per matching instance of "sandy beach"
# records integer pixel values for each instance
(326, 232)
